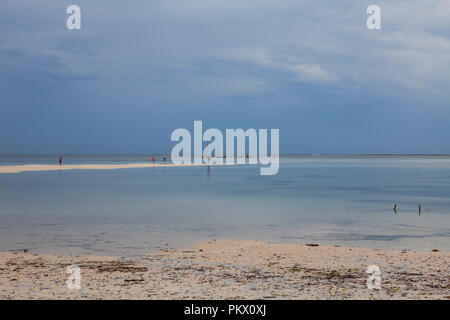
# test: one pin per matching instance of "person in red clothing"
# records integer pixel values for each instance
(153, 159)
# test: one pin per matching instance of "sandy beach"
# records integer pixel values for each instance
(231, 269)
(55, 167)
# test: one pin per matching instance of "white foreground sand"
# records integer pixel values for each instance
(56, 167)
(231, 270)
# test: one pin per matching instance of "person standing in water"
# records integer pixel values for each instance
(60, 160)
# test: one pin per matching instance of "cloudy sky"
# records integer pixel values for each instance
(139, 69)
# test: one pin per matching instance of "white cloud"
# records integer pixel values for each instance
(287, 65)
(313, 73)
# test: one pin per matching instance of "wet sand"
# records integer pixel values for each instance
(56, 167)
(231, 269)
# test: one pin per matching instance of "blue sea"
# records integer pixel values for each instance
(334, 200)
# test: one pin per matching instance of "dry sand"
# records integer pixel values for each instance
(56, 167)
(231, 269)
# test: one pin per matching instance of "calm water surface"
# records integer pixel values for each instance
(344, 200)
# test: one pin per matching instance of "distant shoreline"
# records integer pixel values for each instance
(56, 167)
(34, 163)
(281, 155)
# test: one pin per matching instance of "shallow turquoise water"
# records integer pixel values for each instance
(345, 200)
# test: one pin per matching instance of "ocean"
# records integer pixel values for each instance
(329, 200)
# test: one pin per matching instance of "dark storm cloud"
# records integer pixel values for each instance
(138, 69)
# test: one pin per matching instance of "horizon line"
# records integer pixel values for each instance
(281, 154)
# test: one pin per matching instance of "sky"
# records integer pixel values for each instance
(137, 70)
